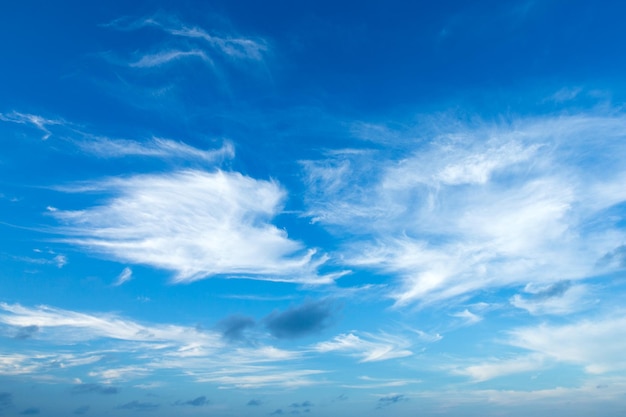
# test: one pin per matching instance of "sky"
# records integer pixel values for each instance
(246, 208)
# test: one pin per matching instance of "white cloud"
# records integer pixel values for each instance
(545, 300)
(124, 276)
(157, 147)
(598, 345)
(479, 206)
(38, 122)
(145, 349)
(196, 224)
(377, 348)
(233, 46)
(497, 367)
(165, 57)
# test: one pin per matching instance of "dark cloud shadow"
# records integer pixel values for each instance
(310, 317)
(254, 403)
(30, 411)
(94, 388)
(390, 400)
(233, 327)
(196, 402)
(136, 405)
(26, 332)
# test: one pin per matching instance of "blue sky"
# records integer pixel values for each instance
(316, 208)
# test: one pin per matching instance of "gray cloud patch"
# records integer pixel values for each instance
(30, 411)
(94, 388)
(82, 410)
(255, 403)
(233, 327)
(26, 332)
(554, 290)
(615, 258)
(304, 404)
(390, 399)
(299, 321)
(136, 405)
(196, 402)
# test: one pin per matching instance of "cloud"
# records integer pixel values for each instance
(80, 326)
(94, 388)
(391, 399)
(597, 345)
(469, 317)
(156, 147)
(164, 57)
(30, 411)
(304, 404)
(124, 276)
(559, 298)
(196, 402)
(378, 348)
(137, 405)
(34, 120)
(197, 224)
(233, 327)
(496, 368)
(277, 412)
(310, 317)
(83, 409)
(147, 348)
(26, 332)
(475, 206)
(254, 403)
(232, 46)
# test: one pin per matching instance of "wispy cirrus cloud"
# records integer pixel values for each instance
(202, 356)
(372, 348)
(124, 276)
(39, 122)
(478, 206)
(196, 224)
(232, 45)
(156, 147)
(165, 57)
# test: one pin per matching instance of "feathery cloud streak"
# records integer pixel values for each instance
(196, 224)
(481, 206)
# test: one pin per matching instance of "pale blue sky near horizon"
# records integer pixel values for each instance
(322, 208)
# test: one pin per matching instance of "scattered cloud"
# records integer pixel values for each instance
(197, 224)
(310, 317)
(94, 388)
(378, 348)
(125, 276)
(304, 404)
(196, 402)
(137, 405)
(30, 411)
(254, 403)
